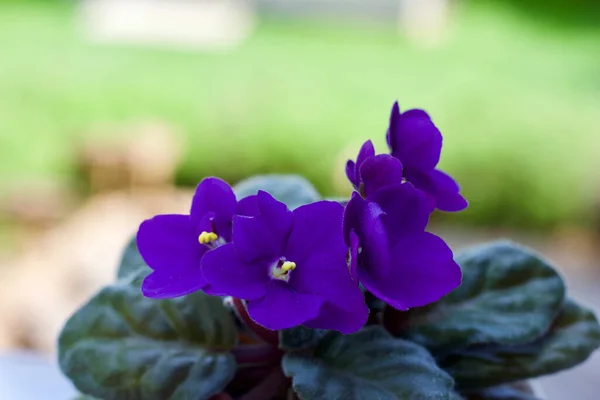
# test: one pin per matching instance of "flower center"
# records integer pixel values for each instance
(207, 237)
(281, 269)
(210, 240)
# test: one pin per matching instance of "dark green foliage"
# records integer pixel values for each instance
(574, 335)
(509, 295)
(121, 345)
(370, 364)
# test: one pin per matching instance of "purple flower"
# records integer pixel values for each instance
(353, 168)
(372, 172)
(394, 258)
(290, 266)
(173, 245)
(417, 143)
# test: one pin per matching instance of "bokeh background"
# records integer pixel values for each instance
(112, 110)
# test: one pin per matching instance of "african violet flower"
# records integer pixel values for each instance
(173, 245)
(417, 143)
(290, 266)
(392, 255)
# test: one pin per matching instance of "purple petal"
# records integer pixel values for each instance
(263, 236)
(448, 197)
(164, 284)
(343, 320)
(366, 151)
(406, 209)
(282, 308)
(215, 197)
(379, 171)
(228, 274)
(394, 123)
(424, 271)
(365, 218)
(351, 173)
(415, 113)
(317, 229)
(169, 245)
(277, 217)
(354, 243)
(441, 187)
(415, 140)
(253, 239)
(248, 206)
(325, 273)
(169, 242)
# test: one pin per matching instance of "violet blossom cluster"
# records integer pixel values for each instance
(309, 266)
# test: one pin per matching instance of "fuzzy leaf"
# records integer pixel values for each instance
(517, 391)
(293, 190)
(573, 337)
(509, 295)
(370, 364)
(121, 345)
(300, 337)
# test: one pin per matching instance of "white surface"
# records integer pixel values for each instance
(27, 376)
(190, 24)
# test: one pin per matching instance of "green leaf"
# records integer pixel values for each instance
(370, 364)
(572, 338)
(509, 295)
(132, 262)
(300, 337)
(121, 345)
(505, 392)
(293, 190)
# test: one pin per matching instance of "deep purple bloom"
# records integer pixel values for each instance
(173, 245)
(290, 266)
(394, 258)
(417, 143)
(353, 168)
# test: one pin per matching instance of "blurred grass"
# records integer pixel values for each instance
(517, 101)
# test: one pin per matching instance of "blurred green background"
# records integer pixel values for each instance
(514, 87)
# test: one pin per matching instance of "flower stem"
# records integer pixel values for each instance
(255, 355)
(395, 321)
(264, 334)
(268, 388)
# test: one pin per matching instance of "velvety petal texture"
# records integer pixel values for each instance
(444, 191)
(380, 171)
(396, 260)
(353, 168)
(424, 271)
(316, 287)
(415, 145)
(171, 247)
(414, 139)
(232, 275)
(214, 201)
(365, 219)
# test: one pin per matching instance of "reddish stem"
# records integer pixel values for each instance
(221, 396)
(268, 388)
(266, 335)
(257, 355)
(395, 321)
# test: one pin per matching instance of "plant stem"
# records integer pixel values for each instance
(268, 388)
(258, 354)
(266, 335)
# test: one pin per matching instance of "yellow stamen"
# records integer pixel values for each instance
(207, 237)
(288, 266)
